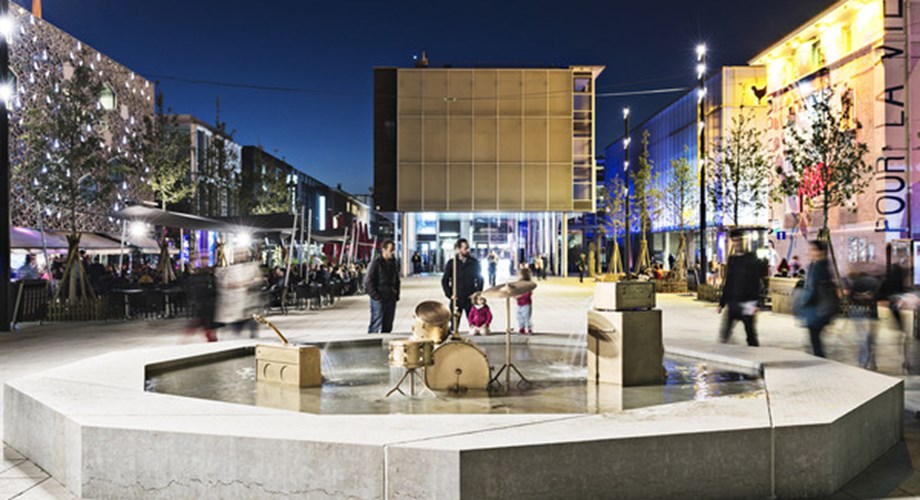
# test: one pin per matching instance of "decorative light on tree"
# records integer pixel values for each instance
(814, 179)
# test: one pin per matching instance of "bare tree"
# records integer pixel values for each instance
(647, 201)
(680, 198)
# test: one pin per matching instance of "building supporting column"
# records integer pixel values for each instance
(667, 249)
(516, 243)
(564, 246)
(406, 260)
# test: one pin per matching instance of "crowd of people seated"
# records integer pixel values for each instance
(141, 281)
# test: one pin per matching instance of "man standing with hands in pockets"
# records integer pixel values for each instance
(382, 286)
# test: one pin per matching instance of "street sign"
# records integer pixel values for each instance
(781, 235)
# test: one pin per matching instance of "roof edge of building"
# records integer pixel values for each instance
(757, 59)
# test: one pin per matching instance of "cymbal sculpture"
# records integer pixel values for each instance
(507, 291)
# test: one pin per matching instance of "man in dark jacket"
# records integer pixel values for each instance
(382, 285)
(469, 279)
(741, 290)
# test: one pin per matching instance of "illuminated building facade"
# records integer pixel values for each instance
(495, 155)
(214, 169)
(673, 134)
(859, 49)
(41, 53)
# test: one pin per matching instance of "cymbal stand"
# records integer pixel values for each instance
(508, 367)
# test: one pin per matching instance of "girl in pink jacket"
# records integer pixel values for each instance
(480, 316)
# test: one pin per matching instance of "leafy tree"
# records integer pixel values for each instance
(64, 163)
(740, 169)
(824, 161)
(680, 197)
(165, 153)
(647, 200)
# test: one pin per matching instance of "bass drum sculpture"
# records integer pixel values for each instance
(458, 365)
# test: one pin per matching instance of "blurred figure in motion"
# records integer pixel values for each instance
(238, 297)
(818, 303)
(29, 269)
(741, 290)
(202, 297)
(893, 291)
(863, 290)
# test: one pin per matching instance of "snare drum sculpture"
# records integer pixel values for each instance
(410, 354)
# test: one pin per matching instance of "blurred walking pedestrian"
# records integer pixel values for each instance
(862, 310)
(741, 290)
(382, 286)
(818, 302)
(202, 296)
(237, 299)
(893, 290)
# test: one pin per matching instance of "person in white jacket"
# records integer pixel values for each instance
(237, 294)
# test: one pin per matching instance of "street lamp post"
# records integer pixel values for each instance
(627, 235)
(701, 156)
(5, 295)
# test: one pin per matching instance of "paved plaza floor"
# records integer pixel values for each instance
(559, 307)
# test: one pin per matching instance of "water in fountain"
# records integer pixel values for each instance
(357, 376)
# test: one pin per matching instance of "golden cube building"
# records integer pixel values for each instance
(485, 139)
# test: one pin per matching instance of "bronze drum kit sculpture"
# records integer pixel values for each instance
(450, 363)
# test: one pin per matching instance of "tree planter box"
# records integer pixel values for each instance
(93, 309)
(708, 293)
(664, 286)
(781, 294)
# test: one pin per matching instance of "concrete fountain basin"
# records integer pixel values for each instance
(92, 426)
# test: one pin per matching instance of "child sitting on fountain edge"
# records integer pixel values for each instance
(480, 316)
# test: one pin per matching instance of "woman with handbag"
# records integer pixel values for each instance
(819, 302)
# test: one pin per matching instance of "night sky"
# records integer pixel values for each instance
(327, 51)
